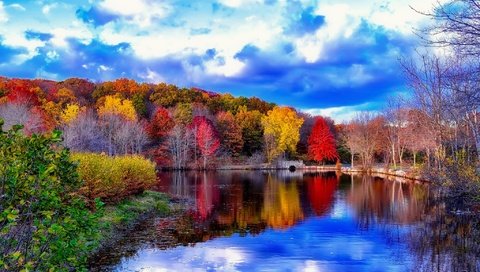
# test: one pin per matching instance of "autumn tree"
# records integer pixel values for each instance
(165, 95)
(321, 143)
(183, 114)
(82, 89)
(70, 113)
(250, 123)
(160, 124)
(363, 136)
(230, 133)
(206, 138)
(283, 124)
(116, 106)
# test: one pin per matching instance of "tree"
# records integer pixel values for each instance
(230, 133)
(206, 138)
(160, 124)
(70, 113)
(284, 125)
(250, 123)
(321, 143)
(44, 224)
(22, 114)
(179, 142)
(456, 26)
(116, 106)
(363, 136)
(183, 114)
(84, 134)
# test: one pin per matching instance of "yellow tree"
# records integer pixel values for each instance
(70, 113)
(281, 130)
(114, 105)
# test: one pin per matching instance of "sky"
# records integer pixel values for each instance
(329, 57)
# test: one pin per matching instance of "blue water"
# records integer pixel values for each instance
(244, 221)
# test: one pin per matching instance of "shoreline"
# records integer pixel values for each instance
(121, 218)
(406, 174)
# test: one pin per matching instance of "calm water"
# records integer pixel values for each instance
(282, 221)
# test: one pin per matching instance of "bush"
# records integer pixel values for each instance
(114, 178)
(44, 224)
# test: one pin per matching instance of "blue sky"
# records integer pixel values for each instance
(332, 57)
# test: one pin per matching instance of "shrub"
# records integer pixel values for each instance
(44, 224)
(114, 178)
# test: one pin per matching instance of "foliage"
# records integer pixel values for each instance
(283, 124)
(70, 113)
(114, 178)
(321, 143)
(252, 130)
(230, 133)
(44, 223)
(160, 124)
(116, 106)
(206, 137)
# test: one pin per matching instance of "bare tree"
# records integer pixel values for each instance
(83, 134)
(456, 26)
(20, 114)
(362, 136)
(180, 141)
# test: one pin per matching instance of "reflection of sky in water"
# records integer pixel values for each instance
(330, 243)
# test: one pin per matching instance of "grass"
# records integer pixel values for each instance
(122, 216)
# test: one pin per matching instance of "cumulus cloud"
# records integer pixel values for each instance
(292, 52)
(3, 13)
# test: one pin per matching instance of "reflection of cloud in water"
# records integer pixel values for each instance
(333, 245)
(199, 258)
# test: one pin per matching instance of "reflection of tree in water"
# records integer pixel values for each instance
(377, 200)
(207, 195)
(321, 191)
(445, 242)
(281, 203)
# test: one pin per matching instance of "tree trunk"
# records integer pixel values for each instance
(352, 161)
(414, 160)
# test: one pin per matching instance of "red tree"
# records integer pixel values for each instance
(321, 143)
(160, 124)
(206, 137)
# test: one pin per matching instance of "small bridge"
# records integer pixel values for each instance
(291, 165)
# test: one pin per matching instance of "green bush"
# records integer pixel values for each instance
(44, 224)
(114, 178)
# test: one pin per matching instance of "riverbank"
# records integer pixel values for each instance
(118, 219)
(405, 173)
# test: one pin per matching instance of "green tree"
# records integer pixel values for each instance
(252, 130)
(44, 224)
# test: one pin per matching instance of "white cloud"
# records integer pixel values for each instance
(340, 114)
(76, 30)
(3, 13)
(239, 3)
(47, 8)
(152, 76)
(17, 7)
(138, 12)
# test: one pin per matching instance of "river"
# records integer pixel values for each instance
(294, 221)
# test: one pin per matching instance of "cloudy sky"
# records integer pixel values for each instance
(327, 56)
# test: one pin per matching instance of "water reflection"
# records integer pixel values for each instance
(296, 221)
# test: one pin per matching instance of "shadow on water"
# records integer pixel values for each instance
(253, 220)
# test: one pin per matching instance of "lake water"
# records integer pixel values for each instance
(283, 221)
